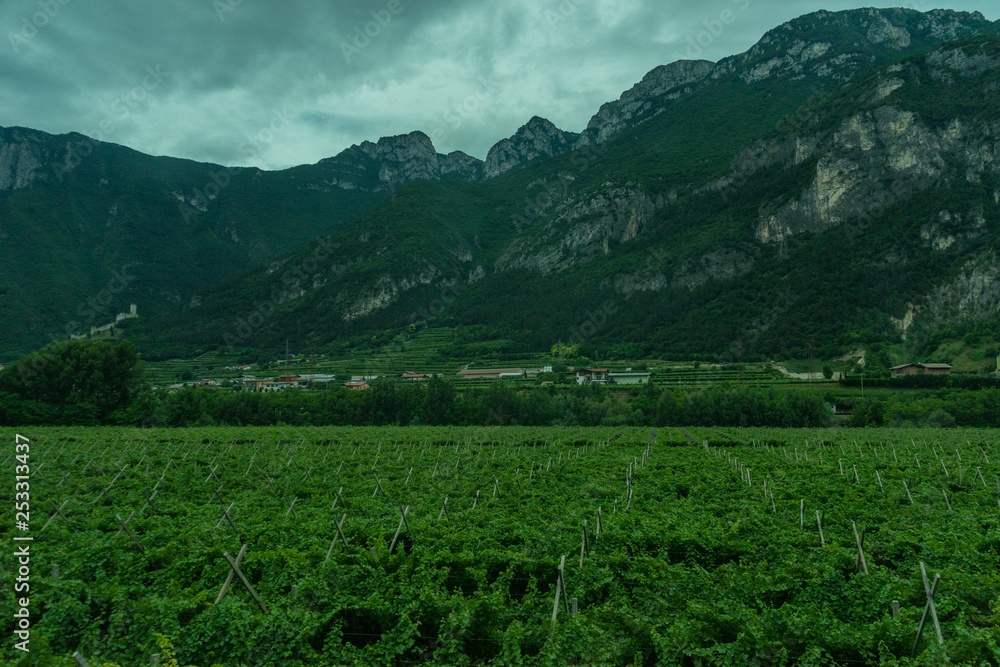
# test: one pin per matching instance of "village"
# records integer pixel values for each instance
(581, 376)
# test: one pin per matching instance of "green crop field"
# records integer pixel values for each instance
(504, 546)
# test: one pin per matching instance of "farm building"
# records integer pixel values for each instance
(357, 386)
(604, 376)
(491, 373)
(414, 377)
(917, 369)
(629, 377)
(592, 376)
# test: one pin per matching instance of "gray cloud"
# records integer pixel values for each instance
(466, 72)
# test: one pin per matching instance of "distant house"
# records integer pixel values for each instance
(917, 369)
(357, 386)
(268, 385)
(363, 378)
(592, 376)
(414, 377)
(492, 373)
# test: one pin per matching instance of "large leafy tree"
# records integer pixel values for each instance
(86, 381)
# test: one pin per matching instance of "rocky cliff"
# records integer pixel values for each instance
(23, 153)
(538, 138)
(645, 99)
(393, 161)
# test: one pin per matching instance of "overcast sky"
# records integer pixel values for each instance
(302, 80)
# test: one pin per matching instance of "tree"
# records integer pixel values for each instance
(827, 372)
(86, 380)
(439, 405)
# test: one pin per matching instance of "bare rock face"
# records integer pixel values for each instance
(883, 31)
(395, 161)
(383, 292)
(850, 178)
(581, 230)
(21, 159)
(404, 158)
(460, 166)
(645, 99)
(973, 294)
(876, 158)
(948, 63)
(792, 51)
(537, 138)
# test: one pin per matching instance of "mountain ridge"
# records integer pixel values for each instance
(550, 203)
(669, 254)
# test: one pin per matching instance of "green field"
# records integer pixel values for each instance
(702, 546)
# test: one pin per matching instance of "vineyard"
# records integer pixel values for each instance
(508, 546)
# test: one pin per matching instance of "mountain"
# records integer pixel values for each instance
(751, 213)
(821, 189)
(828, 48)
(104, 226)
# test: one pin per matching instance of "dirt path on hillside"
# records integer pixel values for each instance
(803, 376)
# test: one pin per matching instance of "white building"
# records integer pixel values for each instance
(629, 377)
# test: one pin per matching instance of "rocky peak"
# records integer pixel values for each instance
(394, 161)
(645, 99)
(460, 166)
(537, 138)
(404, 158)
(852, 41)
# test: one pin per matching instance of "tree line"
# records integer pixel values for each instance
(95, 383)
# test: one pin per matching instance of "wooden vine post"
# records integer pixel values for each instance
(229, 577)
(243, 580)
(929, 608)
(560, 592)
(339, 534)
(860, 562)
(399, 529)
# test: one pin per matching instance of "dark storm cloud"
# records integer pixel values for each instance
(277, 84)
